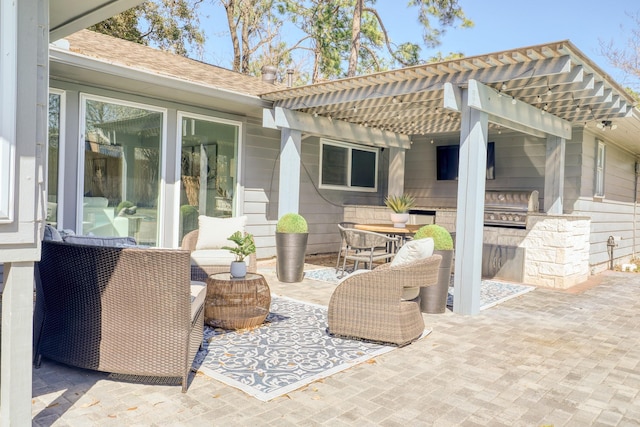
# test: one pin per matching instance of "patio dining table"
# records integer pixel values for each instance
(388, 228)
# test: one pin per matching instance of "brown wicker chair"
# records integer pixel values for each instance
(201, 272)
(126, 311)
(369, 305)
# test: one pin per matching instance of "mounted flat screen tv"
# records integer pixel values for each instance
(447, 157)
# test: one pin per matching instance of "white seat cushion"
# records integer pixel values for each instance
(198, 294)
(212, 257)
(413, 251)
(214, 232)
(409, 252)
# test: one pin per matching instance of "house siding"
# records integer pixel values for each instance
(322, 208)
(615, 214)
(519, 165)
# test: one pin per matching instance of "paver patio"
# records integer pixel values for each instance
(544, 358)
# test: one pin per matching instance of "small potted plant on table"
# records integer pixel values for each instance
(400, 205)
(245, 246)
(292, 232)
(433, 299)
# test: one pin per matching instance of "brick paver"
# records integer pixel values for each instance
(544, 358)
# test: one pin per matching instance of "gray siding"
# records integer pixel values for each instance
(519, 165)
(322, 209)
(614, 215)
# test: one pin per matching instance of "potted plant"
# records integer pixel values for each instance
(291, 244)
(244, 247)
(433, 299)
(400, 206)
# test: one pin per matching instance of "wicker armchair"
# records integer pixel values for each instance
(370, 306)
(127, 311)
(201, 272)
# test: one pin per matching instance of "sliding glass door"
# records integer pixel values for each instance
(122, 169)
(209, 153)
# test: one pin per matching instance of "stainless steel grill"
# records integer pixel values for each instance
(509, 208)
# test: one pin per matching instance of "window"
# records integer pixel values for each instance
(348, 167)
(209, 154)
(54, 148)
(121, 174)
(600, 158)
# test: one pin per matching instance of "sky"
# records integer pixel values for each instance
(499, 25)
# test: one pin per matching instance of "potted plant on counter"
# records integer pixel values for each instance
(400, 205)
(292, 232)
(244, 247)
(433, 299)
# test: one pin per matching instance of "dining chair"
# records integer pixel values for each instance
(343, 246)
(365, 246)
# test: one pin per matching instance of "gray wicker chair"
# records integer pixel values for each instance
(201, 272)
(370, 306)
(127, 311)
(366, 246)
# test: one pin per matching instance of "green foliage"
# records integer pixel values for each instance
(401, 203)
(292, 223)
(245, 245)
(442, 239)
(171, 25)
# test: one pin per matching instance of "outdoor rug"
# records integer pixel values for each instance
(291, 350)
(492, 292)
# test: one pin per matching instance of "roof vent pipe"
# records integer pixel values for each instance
(269, 73)
(289, 77)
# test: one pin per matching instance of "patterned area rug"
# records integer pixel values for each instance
(492, 292)
(291, 350)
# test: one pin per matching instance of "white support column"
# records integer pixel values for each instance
(396, 170)
(17, 327)
(290, 157)
(470, 208)
(554, 175)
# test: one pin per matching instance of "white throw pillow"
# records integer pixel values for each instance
(413, 251)
(213, 232)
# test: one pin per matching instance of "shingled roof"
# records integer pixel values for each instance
(137, 56)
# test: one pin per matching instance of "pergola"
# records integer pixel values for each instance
(544, 91)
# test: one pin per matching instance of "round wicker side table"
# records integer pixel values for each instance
(236, 303)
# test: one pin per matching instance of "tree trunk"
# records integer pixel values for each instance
(355, 38)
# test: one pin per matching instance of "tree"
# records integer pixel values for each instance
(348, 37)
(626, 58)
(368, 23)
(252, 26)
(171, 25)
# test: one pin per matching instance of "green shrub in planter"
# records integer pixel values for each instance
(401, 203)
(433, 299)
(292, 232)
(292, 223)
(442, 240)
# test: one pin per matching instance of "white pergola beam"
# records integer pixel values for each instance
(281, 118)
(453, 102)
(520, 114)
(524, 70)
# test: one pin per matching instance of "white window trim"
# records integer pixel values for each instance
(84, 97)
(237, 199)
(8, 117)
(350, 147)
(61, 151)
(599, 171)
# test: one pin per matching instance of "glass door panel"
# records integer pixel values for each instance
(53, 156)
(121, 171)
(208, 170)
